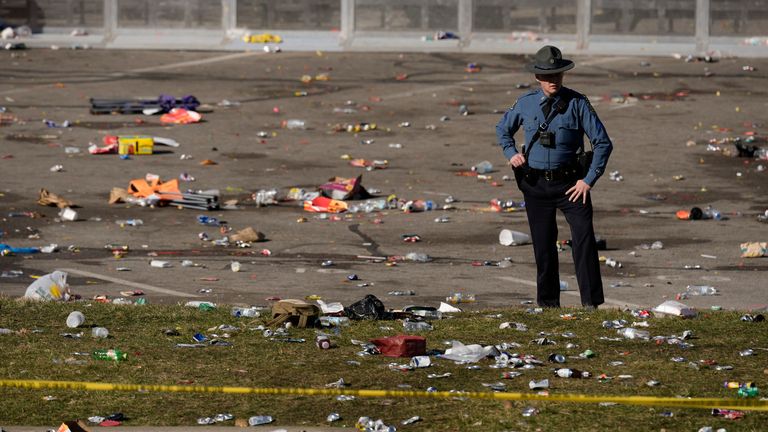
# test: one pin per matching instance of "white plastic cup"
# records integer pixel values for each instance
(421, 361)
(100, 332)
(75, 319)
(513, 238)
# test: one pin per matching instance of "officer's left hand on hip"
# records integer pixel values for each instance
(580, 189)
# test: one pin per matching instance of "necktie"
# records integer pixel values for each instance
(547, 107)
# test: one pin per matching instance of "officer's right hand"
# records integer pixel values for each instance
(517, 160)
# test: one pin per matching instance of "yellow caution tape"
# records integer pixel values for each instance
(743, 404)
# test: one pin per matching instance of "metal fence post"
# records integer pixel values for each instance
(583, 23)
(110, 20)
(465, 21)
(702, 25)
(228, 15)
(347, 22)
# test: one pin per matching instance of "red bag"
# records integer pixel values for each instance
(401, 346)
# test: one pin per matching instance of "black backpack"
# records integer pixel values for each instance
(369, 308)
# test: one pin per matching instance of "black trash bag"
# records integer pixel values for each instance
(369, 308)
(746, 151)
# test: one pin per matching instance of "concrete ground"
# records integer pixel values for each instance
(664, 103)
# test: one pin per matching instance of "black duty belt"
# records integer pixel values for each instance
(562, 173)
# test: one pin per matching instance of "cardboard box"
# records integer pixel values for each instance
(135, 145)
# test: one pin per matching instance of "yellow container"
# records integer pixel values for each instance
(136, 145)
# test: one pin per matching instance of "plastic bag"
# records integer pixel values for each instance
(467, 353)
(51, 287)
(369, 307)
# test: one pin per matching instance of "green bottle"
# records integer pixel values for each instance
(110, 354)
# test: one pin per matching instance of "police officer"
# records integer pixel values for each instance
(555, 119)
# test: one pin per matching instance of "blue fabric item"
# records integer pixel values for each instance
(190, 102)
(168, 102)
(569, 127)
(5, 247)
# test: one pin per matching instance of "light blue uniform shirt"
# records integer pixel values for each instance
(569, 127)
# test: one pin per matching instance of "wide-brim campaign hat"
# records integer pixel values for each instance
(549, 60)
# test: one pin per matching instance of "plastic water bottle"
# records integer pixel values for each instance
(483, 167)
(259, 420)
(130, 222)
(571, 373)
(460, 297)
(265, 197)
(700, 290)
(418, 257)
(245, 312)
(294, 124)
(711, 213)
(417, 326)
(110, 354)
(402, 293)
(633, 333)
(329, 321)
(207, 220)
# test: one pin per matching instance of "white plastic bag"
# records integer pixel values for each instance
(467, 353)
(330, 308)
(51, 287)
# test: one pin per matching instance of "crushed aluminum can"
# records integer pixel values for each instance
(544, 341)
(747, 352)
(206, 421)
(223, 417)
(332, 417)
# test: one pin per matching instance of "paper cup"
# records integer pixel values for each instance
(513, 238)
(75, 319)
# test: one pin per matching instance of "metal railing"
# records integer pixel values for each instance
(590, 26)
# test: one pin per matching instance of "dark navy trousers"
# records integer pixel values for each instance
(542, 200)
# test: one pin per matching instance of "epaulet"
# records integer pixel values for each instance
(576, 95)
(529, 93)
